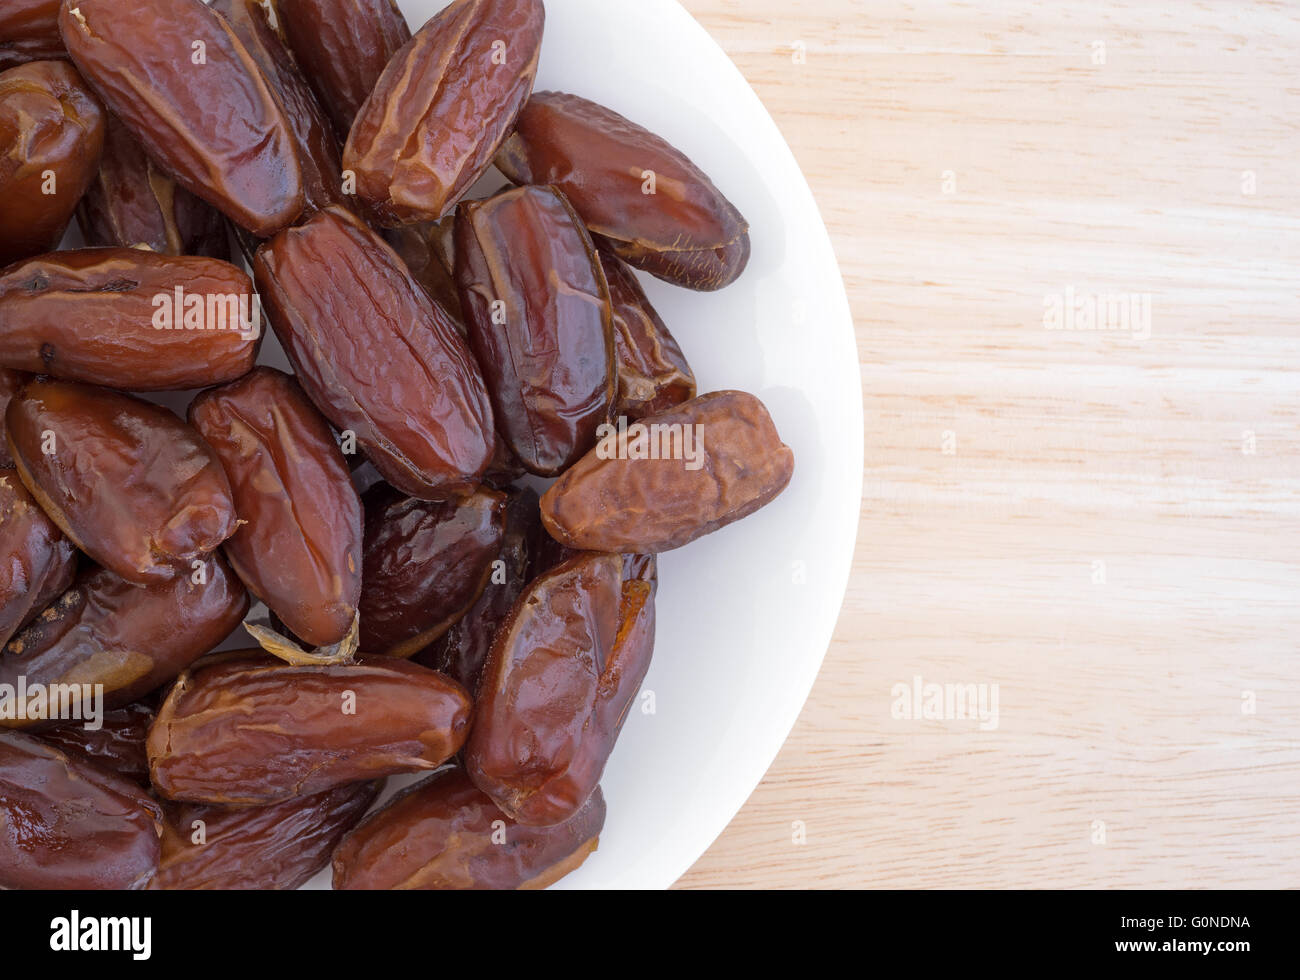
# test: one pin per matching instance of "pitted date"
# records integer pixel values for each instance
(655, 208)
(298, 547)
(443, 107)
(247, 731)
(376, 355)
(65, 824)
(29, 31)
(188, 90)
(129, 318)
(563, 671)
(51, 137)
(343, 47)
(653, 375)
(131, 484)
(537, 308)
(36, 561)
(130, 639)
(443, 833)
(680, 475)
(424, 563)
(117, 745)
(276, 847)
(131, 202)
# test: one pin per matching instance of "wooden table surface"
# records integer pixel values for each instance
(1101, 523)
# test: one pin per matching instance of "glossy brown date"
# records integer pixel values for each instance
(276, 847)
(537, 308)
(117, 745)
(720, 459)
(317, 145)
(343, 47)
(131, 484)
(36, 561)
(443, 833)
(653, 375)
(298, 547)
(10, 382)
(443, 107)
(66, 824)
(29, 31)
(655, 208)
(176, 75)
(132, 202)
(130, 639)
(51, 137)
(424, 563)
(563, 671)
(376, 355)
(111, 316)
(249, 732)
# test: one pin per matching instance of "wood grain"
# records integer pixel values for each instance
(1101, 523)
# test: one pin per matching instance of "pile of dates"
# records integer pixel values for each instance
(373, 520)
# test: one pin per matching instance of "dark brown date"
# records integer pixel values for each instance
(51, 136)
(248, 732)
(29, 31)
(675, 477)
(419, 247)
(277, 847)
(10, 382)
(443, 833)
(129, 638)
(36, 561)
(443, 107)
(653, 375)
(65, 824)
(424, 563)
(117, 745)
(180, 80)
(655, 208)
(563, 671)
(537, 308)
(377, 356)
(318, 148)
(129, 318)
(343, 47)
(298, 547)
(132, 202)
(131, 484)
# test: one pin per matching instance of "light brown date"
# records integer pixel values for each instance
(675, 477)
(443, 107)
(298, 547)
(443, 833)
(36, 561)
(127, 481)
(249, 731)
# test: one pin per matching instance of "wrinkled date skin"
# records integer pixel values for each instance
(633, 503)
(443, 107)
(653, 375)
(343, 47)
(537, 308)
(90, 315)
(130, 639)
(318, 149)
(131, 202)
(29, 31)
(250, 732)
(462, 650)
(298, 547)
(562, 673)
(277, 847)
(36, 561)
(131, 484)
(117, 746)
(215, 126)
(377, 356)
(65, 824)
(424, 563)
(10, 382)
(685, 232)
(51, 137)
(443, 833)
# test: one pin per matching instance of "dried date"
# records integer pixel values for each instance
(117, 745)
(29, 31)
(36, 561)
